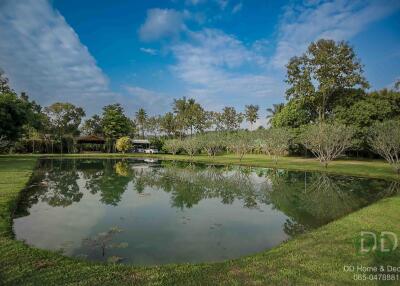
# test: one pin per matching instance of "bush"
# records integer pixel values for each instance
(123, 144)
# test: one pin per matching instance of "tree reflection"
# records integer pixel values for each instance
(110, 182)
(309, 200)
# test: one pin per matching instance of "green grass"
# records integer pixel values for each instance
(317, 257)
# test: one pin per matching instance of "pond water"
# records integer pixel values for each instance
(149, 212)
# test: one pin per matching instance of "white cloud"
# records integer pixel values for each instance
(161, 23)
(220, 70)
(43, 55)
(237, 8)
(152, 101)
(337, 20)
(152, 52)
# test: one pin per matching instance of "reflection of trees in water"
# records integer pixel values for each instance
(308, 199)
(314, 199)
(190, 184)
(53, 182)
(110, 182)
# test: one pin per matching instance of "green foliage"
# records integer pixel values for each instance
(293, 115)
(114, 122)
(325, 68)
(64, 117)
(168, 123)
(92, 126)
(190, 115)
(13, 116)
(385, 140)
(230, 119)
(123, 144)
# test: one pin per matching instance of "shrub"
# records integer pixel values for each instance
(123, 144)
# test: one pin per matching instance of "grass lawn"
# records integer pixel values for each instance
(317, 257)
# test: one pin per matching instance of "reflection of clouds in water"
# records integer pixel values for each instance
(58, 227)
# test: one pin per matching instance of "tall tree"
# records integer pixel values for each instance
(115, 124)
(64, 119)
(14, 112)
(141, 119)
(92, 126)
(251, 114)
(231, 119)
(168, 123)
(326, 67)
(189, 115)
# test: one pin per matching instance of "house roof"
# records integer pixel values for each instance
(91, 139)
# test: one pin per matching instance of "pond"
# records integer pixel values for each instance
(148, 212)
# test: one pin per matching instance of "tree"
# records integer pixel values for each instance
(189, 115)
(323, 69)
(173, 146)
(327, 141)
(231, 119)
(240, 143)
(251, 114)
(276, 108)
(168, 123)
(191, 146)
(115, 123)
(123, 144)
(292, 115)
(64, 118)
(141, 118)
(92, 126)
(277, 142)
(362, 110)
(385, 140)
(15, 112)
(212, 142)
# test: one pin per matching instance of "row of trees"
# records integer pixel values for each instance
(327, 141)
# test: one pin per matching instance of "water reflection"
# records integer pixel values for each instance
(177, 211)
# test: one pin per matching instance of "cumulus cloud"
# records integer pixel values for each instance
(217, 67)
(337, 20)
(152, 101)
(161, 23)
(42, 54)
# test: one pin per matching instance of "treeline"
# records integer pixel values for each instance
(327, 93)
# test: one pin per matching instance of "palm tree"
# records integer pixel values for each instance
(251, 114)
(276, 108)
(141, 117)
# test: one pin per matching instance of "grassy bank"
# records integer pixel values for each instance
(317, 257)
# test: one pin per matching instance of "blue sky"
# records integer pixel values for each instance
(145, 53)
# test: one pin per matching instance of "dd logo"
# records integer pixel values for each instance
(387, 241)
